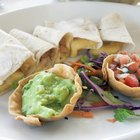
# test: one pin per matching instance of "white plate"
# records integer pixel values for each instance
(81, 129)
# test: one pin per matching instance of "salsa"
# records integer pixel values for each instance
(126, 69)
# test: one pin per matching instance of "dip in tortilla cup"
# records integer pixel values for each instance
(123, 73)
(46, 96)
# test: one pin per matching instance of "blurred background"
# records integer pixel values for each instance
(9, 5)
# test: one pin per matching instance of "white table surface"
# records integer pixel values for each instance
(10, 5)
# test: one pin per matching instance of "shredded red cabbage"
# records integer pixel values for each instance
(97, 61)
(90, 108)
(99, 90)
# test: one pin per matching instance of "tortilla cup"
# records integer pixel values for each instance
(15, 100)
(108, 75)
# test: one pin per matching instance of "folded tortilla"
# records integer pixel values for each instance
(16, 61)
(45, 52)
(85, 33)
(112, 29)
(61, 39)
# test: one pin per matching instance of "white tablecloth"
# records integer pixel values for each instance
(10, 5)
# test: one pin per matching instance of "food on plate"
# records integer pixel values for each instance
(85, 33)
(61, 39)
(108, 47)
(46, 96)
(114, 34)
(123, 73)
(15, 61)
(74, 90)
(96, 91)
(45, 52)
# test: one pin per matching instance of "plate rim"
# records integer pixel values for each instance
(120, 137)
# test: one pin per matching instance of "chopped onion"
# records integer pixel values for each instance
(122, 76)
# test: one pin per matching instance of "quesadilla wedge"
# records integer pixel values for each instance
(85, 34)
(61, 39)
(45, 52)
(16, 61)
(114, 34)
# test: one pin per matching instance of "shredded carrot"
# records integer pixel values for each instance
(87, 67)
(75, 68)
(82, 114)
(112, 120)
(77, 61)
(98, 104)
(98, 72)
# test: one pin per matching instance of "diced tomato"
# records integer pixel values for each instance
(131, 80)
(138, 72)
(124, 59)
(135, 57)
(133, 67)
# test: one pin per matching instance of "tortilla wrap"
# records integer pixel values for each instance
(112, 29)
(45, 52)
(85, 33)
(15, 61)
(59, 38)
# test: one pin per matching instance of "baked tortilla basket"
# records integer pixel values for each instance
(15, 100)
(108, 74)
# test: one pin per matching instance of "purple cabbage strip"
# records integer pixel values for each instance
(81, 101)
(90, 108)
(101, 91)
(91, 84)
(98, 61)
(89, 55)
(89, 93)
(131, 107)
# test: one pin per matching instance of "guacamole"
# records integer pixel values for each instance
(46, 94)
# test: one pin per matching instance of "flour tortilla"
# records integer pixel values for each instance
(12, 58)
(7, 38)
(61, 39)
(112, 29)
(13, 55)
(45, 52)
(85, 33)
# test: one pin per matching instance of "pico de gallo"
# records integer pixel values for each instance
(126, 68)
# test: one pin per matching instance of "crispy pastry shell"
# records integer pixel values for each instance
(15, 100)
(108, 74)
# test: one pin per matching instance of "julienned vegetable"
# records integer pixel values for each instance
(105, 95)
(96, 92)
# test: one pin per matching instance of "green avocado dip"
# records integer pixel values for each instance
(46, 94)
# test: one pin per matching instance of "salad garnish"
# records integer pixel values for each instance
(96, 91)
